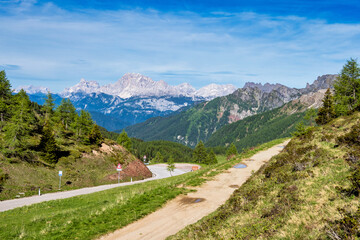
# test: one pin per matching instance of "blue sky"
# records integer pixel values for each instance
(57, 43)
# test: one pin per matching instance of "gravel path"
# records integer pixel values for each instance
(159, 171)
(185, 210)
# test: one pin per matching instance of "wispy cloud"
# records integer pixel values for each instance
(52, 43)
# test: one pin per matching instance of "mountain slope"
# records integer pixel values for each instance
(202, 120)
(264, 127)
(309, 191)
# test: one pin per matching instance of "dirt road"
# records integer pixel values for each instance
(185, 210)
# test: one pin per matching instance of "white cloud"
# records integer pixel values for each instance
(47, 42)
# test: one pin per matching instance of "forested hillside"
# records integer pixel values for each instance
(267, 126)
(161, 151)
(38, 141)
(201, 121)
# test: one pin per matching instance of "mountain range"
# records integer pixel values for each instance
(201, 121)
(132, 99)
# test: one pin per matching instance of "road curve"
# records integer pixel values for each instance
(159, 171)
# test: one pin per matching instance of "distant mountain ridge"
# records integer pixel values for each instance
(132, 99)
(137, 85)
(201, 121)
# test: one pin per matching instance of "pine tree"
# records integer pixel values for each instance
(200, 155)
(326, 112)
(83, 124)
(212, 157)
(124, 140)
(347, 88)
(20, 124)
(49, 107)
(5, 98)
(232, 151)
(95, 136)
(48, 144)
(66, 113)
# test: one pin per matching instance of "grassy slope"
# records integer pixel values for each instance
(296, 195)
(89, 216)
(28, 177)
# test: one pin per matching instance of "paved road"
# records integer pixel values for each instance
(159, 171)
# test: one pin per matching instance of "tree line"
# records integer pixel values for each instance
(26, 127)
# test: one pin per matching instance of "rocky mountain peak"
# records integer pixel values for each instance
(322, 82)
(267, 87)
(30, 89)
(138, 85)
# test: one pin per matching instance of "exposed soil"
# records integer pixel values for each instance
(185, 210)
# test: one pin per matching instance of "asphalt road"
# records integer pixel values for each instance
(159, 171)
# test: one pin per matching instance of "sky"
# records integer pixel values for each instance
(56, 43)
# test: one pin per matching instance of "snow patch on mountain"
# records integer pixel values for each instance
(137, 85)
(30, 89)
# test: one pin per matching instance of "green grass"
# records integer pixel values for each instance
(92, 215)
(299, 194)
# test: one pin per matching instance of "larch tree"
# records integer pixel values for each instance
(19, 125)
(327, 112)
(124, 140)
(95, 136)
(48, 144)
(66, 113)
(5, 98)
(347, 88)
(231, 151)
(200, 154)
(212, 157)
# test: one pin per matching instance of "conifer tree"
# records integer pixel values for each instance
(200, 155)
(66, 113)
(84, 124)
(95, 136)
(347, 88)
(5, 98)
(48, 144)
(19, 125)
(212, 157)
(124, 140)
(49, 107)
(232, 151)
(326, 112)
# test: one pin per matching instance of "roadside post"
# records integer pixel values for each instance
(119, 169)
(60, 174)
(144, 159)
